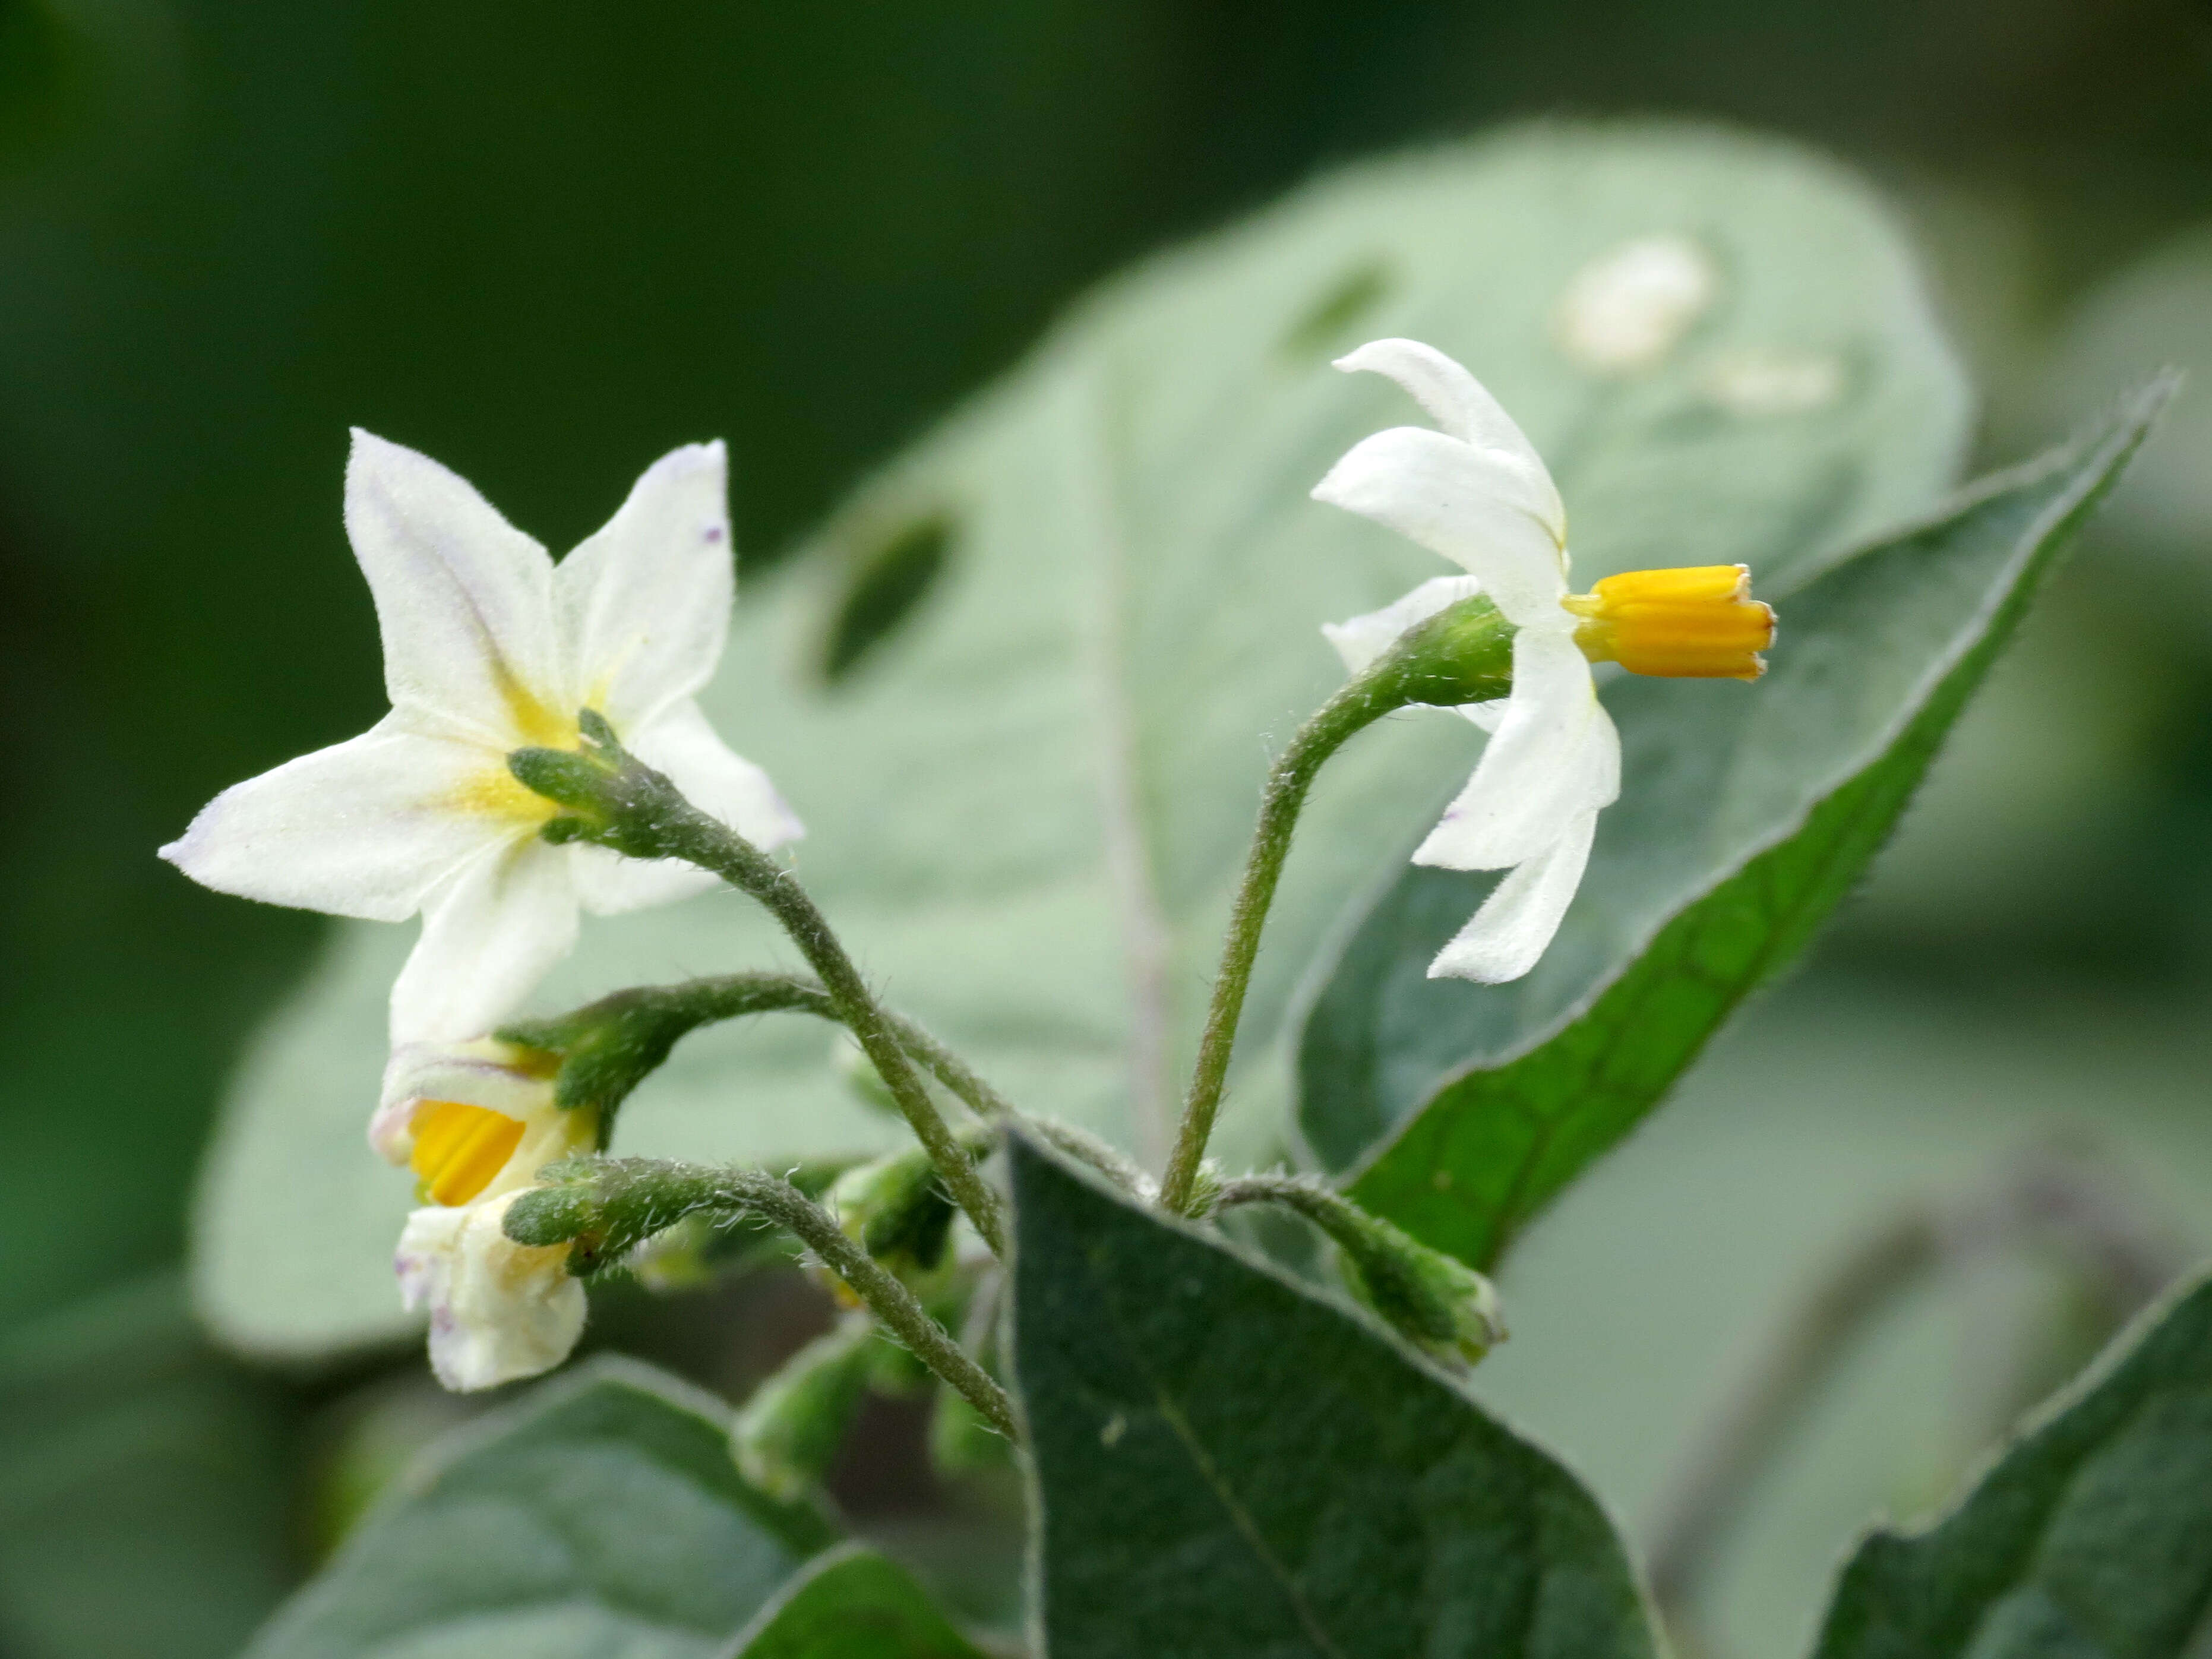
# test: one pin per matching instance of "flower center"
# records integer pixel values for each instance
(1696, 623)
(458, 1148)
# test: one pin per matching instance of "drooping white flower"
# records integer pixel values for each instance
(1478, 493)
(499, 1311)
(476, 1121)
(488, 647)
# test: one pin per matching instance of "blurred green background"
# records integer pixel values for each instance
(545, 245)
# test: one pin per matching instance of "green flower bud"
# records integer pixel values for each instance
(1442, 1304)
(961, 1440)
(786, 1438)
(896, 1209)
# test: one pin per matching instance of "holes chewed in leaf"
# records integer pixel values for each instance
(1334, 323)
(883, 590)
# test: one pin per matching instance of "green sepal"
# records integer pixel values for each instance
(604, 1207)
(896, 1209)
(602, 1051)
(787, 1437)
(1462, 654)
(611, 798)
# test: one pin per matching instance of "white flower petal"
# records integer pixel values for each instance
(1461, 503)
(645, 604)
(719, 782)
(488, 935)
(1463, 407)
(1554, 758)
(480, 1072)
(465, 599)
(365, 828)
(1523, 913)
(1487, 715)
(499, 1311)
(1362, 641)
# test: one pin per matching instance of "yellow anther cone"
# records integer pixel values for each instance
(459, 1148)
(1698, 622)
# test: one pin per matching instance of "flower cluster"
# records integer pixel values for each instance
(489, 647)
(502, 666)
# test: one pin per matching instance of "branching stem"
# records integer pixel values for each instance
(688, 834)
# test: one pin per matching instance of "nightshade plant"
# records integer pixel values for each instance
(1224, 1458)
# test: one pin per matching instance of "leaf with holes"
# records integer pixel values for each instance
(1023, 691)
(853, 1604)
(1746, 813)
(1227, 1465)
(2090, 1534)
(601, 1514)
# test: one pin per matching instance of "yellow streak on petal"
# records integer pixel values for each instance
(459, 1148)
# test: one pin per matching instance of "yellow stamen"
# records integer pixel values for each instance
(458, 1148)
(1695, 624)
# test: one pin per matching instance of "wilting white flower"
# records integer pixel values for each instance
(499, 1311)
(488, 647)
(1478, 493)
(476, 1121)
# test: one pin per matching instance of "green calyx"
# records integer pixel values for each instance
(608, 796)
(604, 1050)
(1462, 654)
(896, 1208)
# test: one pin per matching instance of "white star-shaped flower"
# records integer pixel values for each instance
(1478, 493)
(488, 647)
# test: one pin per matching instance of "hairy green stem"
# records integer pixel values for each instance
(647, 1020)
(640, 1197)
(688, 834)
(1462, 655)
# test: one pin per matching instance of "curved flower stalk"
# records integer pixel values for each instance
(489, 647)
(476, 1121)
(1478, 493)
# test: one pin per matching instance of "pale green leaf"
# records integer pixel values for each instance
(1227, 1466)
(601, 1515)
(1072, 622)
(1746, 813)
(2089, 1537)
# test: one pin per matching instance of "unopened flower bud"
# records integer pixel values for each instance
(896, 1209)
(785, 1437)
(1441, 1304)
(962, 1440)
(1696, 623)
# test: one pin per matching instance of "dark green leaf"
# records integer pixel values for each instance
(853, 1604)
(2090, 1538)
(1746, 813)
(601, 1515)
(1227, 1465)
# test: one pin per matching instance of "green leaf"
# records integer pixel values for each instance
(1746, 814)
(1226, 1465)
(1024, 690)
(142, 1484)
(853, 1604)
(2090, 1534)
(601, 1514)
